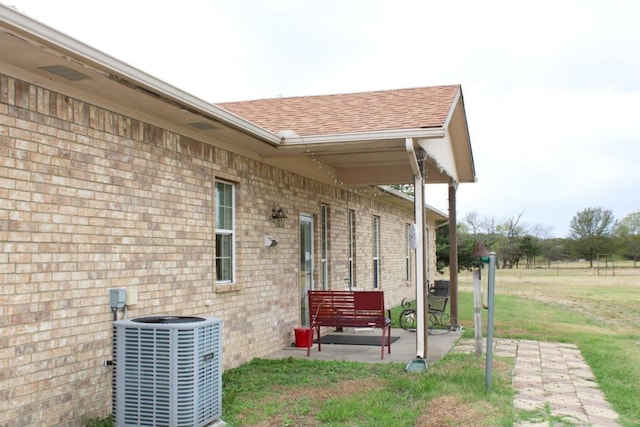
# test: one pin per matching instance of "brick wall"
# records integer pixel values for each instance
(93, 200)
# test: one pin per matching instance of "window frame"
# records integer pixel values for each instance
(221, 232)
(324, 246)
(408, 252)
(351, 231)
(376, 251)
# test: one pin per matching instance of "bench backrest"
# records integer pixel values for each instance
(346, 308)
(440, 288)
(437, 303)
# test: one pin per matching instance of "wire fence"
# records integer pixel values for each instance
(600, 267)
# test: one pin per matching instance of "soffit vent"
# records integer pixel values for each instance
(65, 72)
(202, 126)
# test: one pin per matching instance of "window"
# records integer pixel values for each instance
(225, 207)
(376, 252)
(351, 280)
(427, 255)
(324, 249)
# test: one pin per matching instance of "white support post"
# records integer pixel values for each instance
(421, 335)
(421, 257)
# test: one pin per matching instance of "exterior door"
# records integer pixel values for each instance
(306, 265)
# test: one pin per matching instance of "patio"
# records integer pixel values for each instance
(403, 350)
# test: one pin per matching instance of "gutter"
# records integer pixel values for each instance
(289, 137)
(399, 194)
(442, 224)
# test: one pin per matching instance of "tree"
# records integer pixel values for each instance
(589, 232)
(629, 225)
(471, 222)
(530, 247)
(628, 233)
(540, 231)
(509, 246)
(466, 260)
(475, 225)
(554, 250)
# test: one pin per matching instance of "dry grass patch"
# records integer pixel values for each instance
(463, 400)
(336, 390)
(447, 411)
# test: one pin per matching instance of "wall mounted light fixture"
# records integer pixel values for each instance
(278, 216)
(270, 242)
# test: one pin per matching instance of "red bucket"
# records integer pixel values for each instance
(304, 337)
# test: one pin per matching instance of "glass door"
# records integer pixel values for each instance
(306, 265)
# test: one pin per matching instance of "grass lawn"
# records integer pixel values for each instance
(301, 392)
(601, 314)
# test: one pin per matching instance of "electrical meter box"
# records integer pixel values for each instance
(117, 298)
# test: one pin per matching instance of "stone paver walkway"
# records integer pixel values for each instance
(553, 374)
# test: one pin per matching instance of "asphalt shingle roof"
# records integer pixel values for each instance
(413, 108)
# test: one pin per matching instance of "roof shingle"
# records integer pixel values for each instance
(413, 108)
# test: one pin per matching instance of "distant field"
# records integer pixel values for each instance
(599, 313)
(611, 300)
(602, 267)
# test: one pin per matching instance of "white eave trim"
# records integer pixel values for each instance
(291, 138)
(452, 109)
(30, 27)
(399, 194)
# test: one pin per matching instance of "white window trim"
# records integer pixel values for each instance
(376, 252)
(324, 248)
(408, 263)
(225, 231)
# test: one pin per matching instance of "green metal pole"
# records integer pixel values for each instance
(490, 304)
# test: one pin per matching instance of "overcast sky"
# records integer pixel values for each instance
(551, 88)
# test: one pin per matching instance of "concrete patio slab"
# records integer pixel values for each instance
(439, 343)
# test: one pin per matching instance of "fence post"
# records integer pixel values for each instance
(477, 310)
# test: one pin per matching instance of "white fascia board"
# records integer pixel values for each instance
(84, 52)
(290, 138)
(436, 210)
(452, 109)
(390, 190)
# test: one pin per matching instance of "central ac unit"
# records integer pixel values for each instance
(167, 371)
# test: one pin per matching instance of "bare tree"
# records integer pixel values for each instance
(540, 231)
(512, 231)
(472, 223)
(489, 224)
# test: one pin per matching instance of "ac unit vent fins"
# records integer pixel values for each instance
(167, 371)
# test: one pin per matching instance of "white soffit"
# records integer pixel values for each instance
(441, 152)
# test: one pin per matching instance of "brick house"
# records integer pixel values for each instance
(110, 178)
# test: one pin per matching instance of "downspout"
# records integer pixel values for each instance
(425, 255)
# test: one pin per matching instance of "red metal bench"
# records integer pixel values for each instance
(359, 309)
